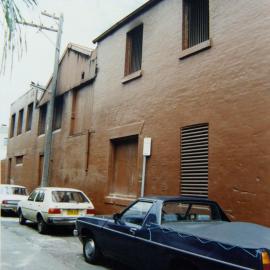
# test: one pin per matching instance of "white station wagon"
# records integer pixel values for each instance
(54, 206)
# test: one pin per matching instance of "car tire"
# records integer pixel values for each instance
(91, 251)
(3, 213)
(41, 225)
(22, 219)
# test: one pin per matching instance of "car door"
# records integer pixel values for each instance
(27, 206)
(119, 236)
(38, 203)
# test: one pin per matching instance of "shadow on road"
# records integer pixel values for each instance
(8, 214)
(112, 265)
(63, 231)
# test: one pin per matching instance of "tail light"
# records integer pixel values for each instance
(90, 211)
(54, 211)
(4, 202)
(266, 260)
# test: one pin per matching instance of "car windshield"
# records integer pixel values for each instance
(13, 191)
(189, 212)
(68, 197)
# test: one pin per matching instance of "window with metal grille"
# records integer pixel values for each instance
(42, 119)
(194, 160)
(80, 108)
(134, 50)
(20, 122)
(58, 111)
(29, 117)
(195, 22)
(12, 126)
(19, 160)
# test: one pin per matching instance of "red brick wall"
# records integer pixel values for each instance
(3, 179)
(226, 86)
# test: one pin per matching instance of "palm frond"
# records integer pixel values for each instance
(12, 32)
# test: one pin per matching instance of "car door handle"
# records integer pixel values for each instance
(133, 230)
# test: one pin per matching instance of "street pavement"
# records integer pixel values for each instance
(22, 247)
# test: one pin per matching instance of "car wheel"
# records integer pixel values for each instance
(41, 225)
(91, 252)
(22, 220)
(3, 213)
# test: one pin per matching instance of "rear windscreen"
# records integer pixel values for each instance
(13, 191)
(68, 197)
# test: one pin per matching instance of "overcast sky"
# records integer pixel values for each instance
(83, 21)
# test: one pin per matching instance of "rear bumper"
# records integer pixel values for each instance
(9, 207)
(75, 232)
(62, 221)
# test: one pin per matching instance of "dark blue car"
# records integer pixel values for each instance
(175, 233)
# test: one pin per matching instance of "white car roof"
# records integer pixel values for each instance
(58, 189)
(8, 185)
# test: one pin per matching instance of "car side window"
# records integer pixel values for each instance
(136, 213)
(32, 196)
(189, 212)
(40, 196)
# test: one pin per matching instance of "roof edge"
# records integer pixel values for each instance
(75, 47)
(143, 8)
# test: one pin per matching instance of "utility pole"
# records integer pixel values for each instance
(50, 108)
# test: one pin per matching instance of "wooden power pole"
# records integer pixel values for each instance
(50, 108)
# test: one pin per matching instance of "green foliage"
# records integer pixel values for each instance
(11, 29)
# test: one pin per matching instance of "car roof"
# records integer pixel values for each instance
(178, 198)
(58, 189)
(9, 185)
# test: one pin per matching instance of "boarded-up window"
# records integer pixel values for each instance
(42, 119)
(12, 126)
(134, 50)
(195, 22)
(20, 122)
(58, 111)
(19, 160)
(194, 160)
(124, 166)
(29, 117)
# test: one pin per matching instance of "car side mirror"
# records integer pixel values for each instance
(116, 217)
(151, 224)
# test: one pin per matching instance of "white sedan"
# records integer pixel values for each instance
(54, 206)
(10, 196)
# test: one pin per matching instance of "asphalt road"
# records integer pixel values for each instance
(22, 247)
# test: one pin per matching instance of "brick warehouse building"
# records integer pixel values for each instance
(193, 76)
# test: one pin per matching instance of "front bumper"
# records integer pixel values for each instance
(62, 221)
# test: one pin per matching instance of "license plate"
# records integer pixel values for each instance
(73, 212)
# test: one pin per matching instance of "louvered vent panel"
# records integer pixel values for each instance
(194, 160)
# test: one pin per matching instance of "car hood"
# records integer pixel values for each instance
(13, 197)
(242, 234)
